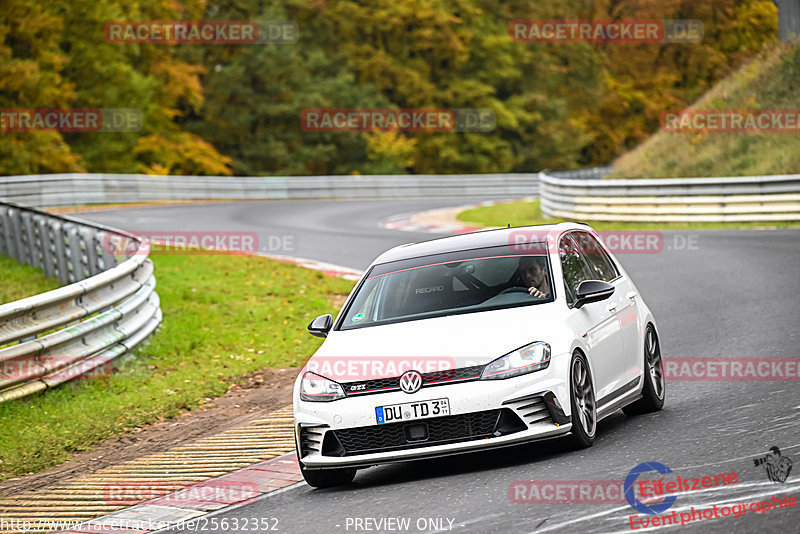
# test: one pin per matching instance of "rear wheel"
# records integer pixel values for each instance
(654, 383)
(582, 402)
(327, 478)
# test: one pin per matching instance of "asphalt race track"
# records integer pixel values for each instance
(714, 294)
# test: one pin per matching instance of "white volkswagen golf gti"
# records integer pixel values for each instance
(475, 341)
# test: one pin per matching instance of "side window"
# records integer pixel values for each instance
(364, 307)
(573, 266)
(600, 265)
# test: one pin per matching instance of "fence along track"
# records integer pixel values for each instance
(733, 199)
(108, 307)
(110, 304)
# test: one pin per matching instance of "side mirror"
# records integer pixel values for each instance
(321, 325)
(592, 291)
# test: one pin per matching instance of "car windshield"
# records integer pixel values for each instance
(446, 284)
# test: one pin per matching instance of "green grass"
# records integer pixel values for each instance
(523, 213)
(770, 81)
(18, 280)
(225, 317)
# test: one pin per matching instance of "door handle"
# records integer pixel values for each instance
(631, 294)
(611, 306)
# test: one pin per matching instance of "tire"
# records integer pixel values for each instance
(582, 403)
(654, 389)
(327, 478)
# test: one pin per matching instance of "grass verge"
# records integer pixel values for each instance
(18, 280)
(523, 213)
(225, 317)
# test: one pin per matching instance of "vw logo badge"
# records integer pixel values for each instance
(411, 381)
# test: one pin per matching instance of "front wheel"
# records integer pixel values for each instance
(654, 384)
(582, 402)
(327, 478)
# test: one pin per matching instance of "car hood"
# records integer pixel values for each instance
(428, 345)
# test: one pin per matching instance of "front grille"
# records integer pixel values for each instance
(440, 430)
(452, 375)
(371, 386)
(435, 378)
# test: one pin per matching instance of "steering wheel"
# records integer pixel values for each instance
(513, 290)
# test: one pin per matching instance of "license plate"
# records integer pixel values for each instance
(410, 411)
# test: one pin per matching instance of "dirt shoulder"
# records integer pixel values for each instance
(261, 394)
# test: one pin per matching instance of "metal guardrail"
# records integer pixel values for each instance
(109, 306)
(592, 173)
(578, 195)
(51, 190)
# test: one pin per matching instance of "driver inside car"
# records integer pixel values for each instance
(532, 274)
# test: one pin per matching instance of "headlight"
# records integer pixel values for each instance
(317, 388)
(524, 360)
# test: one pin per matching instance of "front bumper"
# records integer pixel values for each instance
(534, 406)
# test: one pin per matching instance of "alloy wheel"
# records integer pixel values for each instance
(654, 363)
(584, 396)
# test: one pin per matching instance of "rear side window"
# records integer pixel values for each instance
(600, 265)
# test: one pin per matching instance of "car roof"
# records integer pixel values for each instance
(481, 239)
